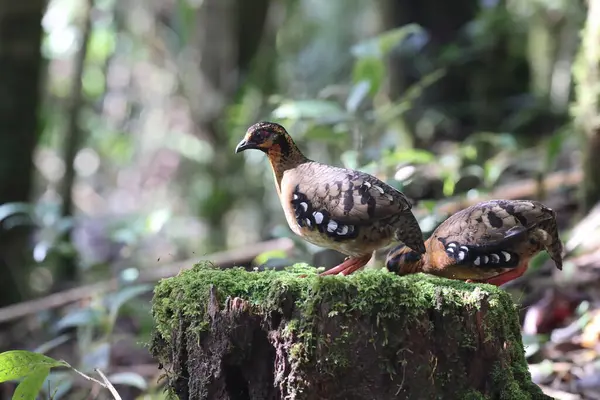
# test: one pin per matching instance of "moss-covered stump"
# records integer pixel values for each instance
(232, 334)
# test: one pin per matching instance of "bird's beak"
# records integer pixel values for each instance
(244, 145)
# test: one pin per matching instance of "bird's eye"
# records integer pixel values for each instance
(262, 135)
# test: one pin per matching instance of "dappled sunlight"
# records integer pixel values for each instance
(119, 168)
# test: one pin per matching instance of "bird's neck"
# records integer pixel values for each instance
(412, 267)
(283, 158)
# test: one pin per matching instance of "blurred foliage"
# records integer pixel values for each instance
(144, 154)
(167, 98)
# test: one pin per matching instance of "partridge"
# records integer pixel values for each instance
(337, 208)
(489, 242)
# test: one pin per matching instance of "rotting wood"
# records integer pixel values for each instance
(233, 334)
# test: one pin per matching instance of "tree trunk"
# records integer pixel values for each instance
(20, 64)
(591, 172)
(478, 80)
(232, 334)
(587, 106)
(66, 267)
(227, 40)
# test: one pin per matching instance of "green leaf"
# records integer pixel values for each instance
(415, 156)
(380, 45)
(371, 70)
(263, 257)
(10, 209)
(80, 317)
(553, 147)
(94, 81)
(15, 364)
(101, 45)
(538, 261)
(349, 159)
(97, 355)
(129, 379)
(31, 385)
(324, 133)
(390, 112)
(125, 295)
(449, 185)
(357, 95)
(429, 205)
(310, 109)
(58, 384)
(51, 344)
(184, 20)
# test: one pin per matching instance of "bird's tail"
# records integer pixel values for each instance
(552, 242)
(409, 232)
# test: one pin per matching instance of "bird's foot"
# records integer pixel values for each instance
(352, 264)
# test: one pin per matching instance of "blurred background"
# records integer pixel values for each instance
(119, 119)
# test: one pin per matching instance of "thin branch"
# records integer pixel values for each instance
(527, 188)
(224, 258)
(109, 385)
(89, 378)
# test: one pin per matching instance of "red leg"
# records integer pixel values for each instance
(339, 268)
(349, 266)
(359, 263)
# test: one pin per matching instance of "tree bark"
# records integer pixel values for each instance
(587, 106)
(232, 334)
(66, 268)
(224, 48)
(20, 64)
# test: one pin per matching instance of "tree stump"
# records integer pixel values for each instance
(237, 335)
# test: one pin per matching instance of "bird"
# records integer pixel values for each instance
(337, 208)
(489, 242)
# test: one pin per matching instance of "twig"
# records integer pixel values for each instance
(224, 258)
(87, 377)
(55, 300)
(527, 188)
(108, 385)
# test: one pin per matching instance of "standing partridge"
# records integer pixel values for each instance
(336, 208)
(490, 242)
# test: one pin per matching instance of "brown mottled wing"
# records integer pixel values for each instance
(485, 234)
(352, 196)
(354, 199)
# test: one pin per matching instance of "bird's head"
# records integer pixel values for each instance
(403, 260)
(267, 137)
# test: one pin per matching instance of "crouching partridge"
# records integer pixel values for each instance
(336, 208)
(490, 242)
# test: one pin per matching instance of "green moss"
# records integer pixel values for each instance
(384, 297)
(472, 395)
